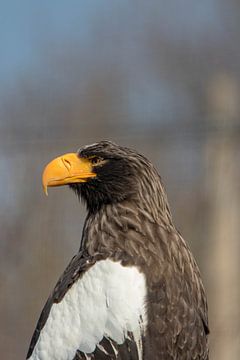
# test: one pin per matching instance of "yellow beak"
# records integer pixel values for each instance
(66, 169)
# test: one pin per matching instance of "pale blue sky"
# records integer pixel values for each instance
(28, 28)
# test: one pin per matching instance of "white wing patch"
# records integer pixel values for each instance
(108, 300)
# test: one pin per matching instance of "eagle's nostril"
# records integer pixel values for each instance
(66, 163)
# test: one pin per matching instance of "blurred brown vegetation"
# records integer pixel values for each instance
(173, 98)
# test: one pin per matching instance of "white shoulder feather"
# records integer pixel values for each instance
(108, 300)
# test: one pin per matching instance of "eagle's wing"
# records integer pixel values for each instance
(178, 309)
(96, 311)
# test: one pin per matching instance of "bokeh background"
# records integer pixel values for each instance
(160, 76)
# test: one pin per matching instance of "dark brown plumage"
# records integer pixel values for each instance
(129, 221)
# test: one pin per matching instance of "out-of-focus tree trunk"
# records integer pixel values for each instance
(223, 179)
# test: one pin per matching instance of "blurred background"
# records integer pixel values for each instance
(160, 76)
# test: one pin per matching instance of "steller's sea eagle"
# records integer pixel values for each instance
(133, 291)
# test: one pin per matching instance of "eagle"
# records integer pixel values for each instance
(134, 290)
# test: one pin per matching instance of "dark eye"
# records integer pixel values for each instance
(96, 160)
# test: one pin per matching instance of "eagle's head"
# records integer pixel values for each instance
(106, 173)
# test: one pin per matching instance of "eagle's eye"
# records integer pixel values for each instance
(96, 160)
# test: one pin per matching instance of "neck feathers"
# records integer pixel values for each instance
(126, 230)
